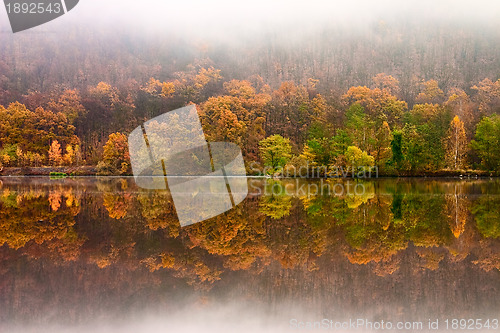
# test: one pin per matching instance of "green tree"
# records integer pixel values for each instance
(486, 142)
(360, 127)
(317, 151)
(430, 123)
(340, 142)
(397, 150)
(275, 151)
(414, 149)
(277, 203)
(486, 211)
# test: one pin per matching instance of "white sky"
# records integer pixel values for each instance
(225, 16)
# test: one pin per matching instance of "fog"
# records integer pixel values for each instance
(214, 317)
(220, 19)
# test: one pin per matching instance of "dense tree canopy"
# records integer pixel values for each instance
(429, 137)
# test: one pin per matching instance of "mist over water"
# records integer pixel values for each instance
(222, 318)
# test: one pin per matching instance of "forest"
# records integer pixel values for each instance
(399, 110)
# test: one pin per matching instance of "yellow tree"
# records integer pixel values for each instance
(117, 204)
(78, 155)
(152, 87)
(431, 93)
(387, 82)
(69, 157)
(167, 89)
(223, 119)
(357, 158)
(69, 104)
(456, 144)
(116, 152)
(55, 153)
(241, 89)
(378, 102)
(308, 155)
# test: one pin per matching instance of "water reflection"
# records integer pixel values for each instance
(84, 251)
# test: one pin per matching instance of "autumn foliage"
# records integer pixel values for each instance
(444, 130)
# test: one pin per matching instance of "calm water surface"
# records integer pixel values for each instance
(103, 255)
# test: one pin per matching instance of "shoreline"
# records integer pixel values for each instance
(84, 170)
(92, 171)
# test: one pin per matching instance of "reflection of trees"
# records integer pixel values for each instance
(275, 203)
(383, 222)
(192, 264)
(40, 220)
(486, 210)
(457, 206)
(431, 215)
(238, 236)
(354, 198)
(117, 204)
(373, 236)
(488, 254)
(375, 229)
(116, 200)
(324, 209)
(425, 220)
(365, 220)
(487, 213)
(295, 242)
(429, 258)
(157, 209)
